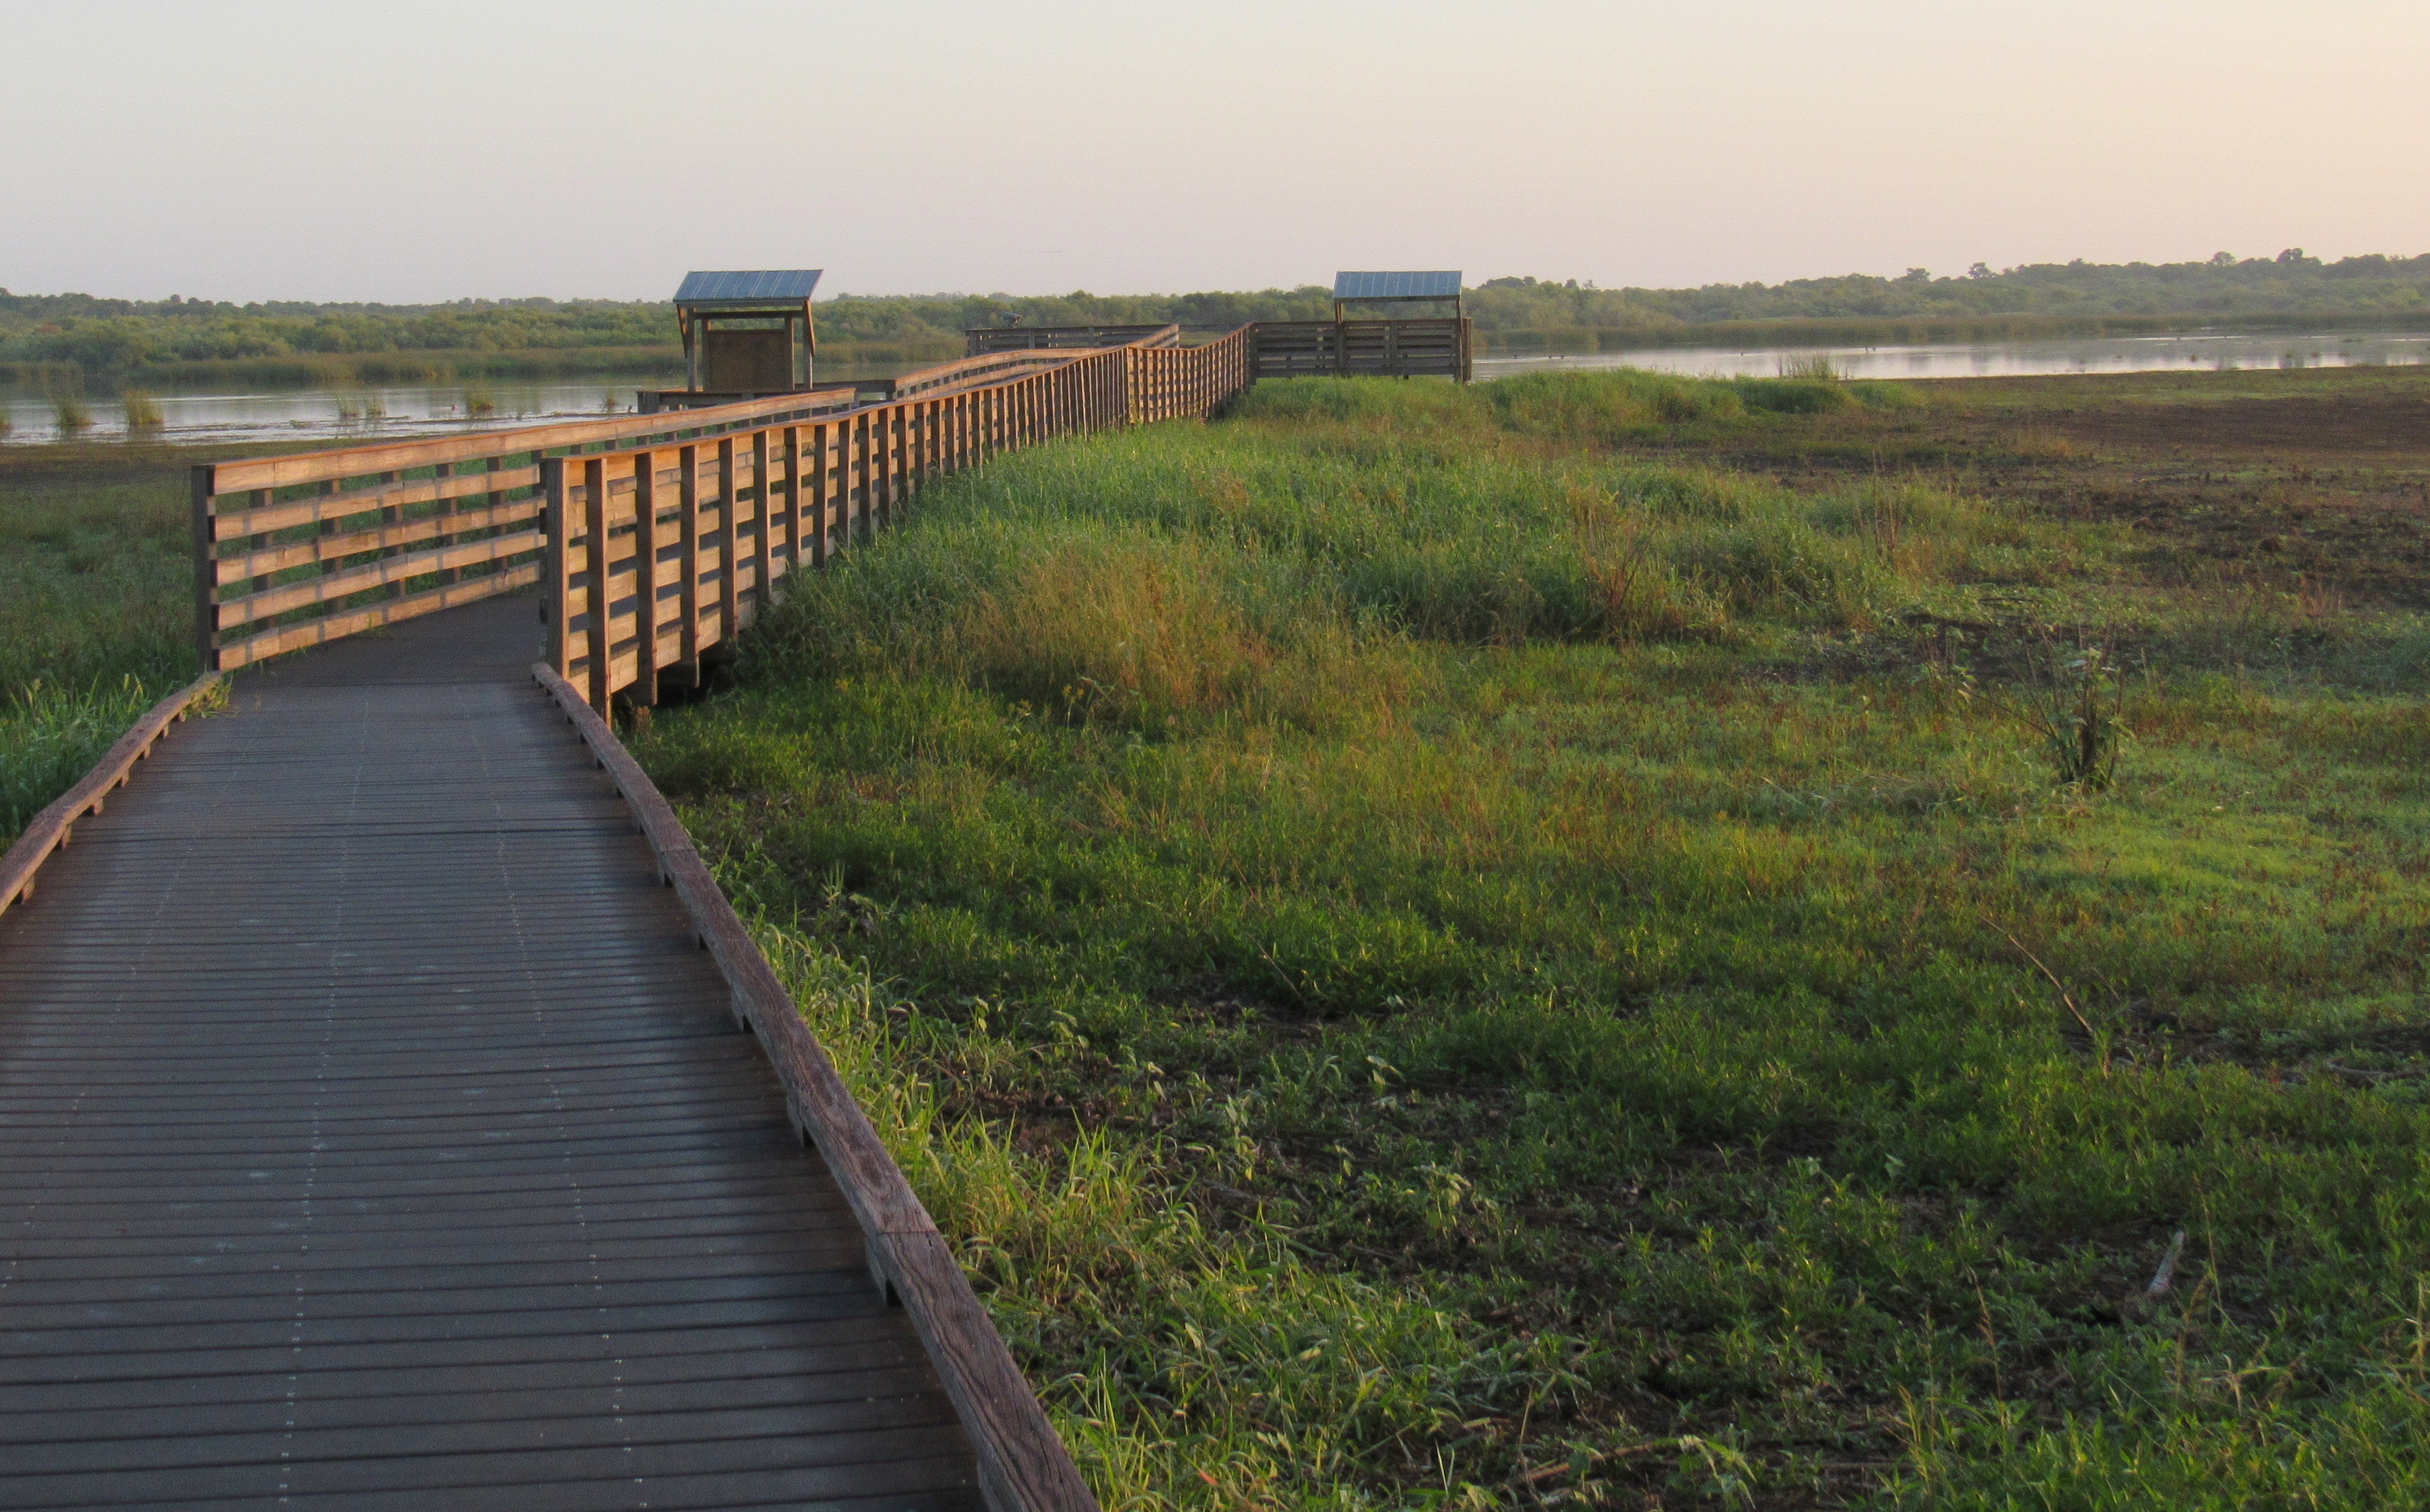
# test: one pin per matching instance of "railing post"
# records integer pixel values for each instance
(558, 574)
(203, 484)
(822, 504)
(602, 635)
(645, 578)
(728, 600)
(688, 550)
(793, 497)
(763, 568)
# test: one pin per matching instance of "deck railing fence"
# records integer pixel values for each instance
(296, 551)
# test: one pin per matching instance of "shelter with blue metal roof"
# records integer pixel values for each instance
(1384, 288)
(739, 330)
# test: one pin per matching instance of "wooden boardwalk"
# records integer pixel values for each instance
(375, 1135)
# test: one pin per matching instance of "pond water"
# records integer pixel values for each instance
(2221, 351)
(370, 414)
(321, 414)
(365, 414)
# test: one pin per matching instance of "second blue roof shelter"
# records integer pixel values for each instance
(1387, 288)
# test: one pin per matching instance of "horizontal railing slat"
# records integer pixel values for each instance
(391, 611)
(361, 461)
(328, 548)
(241, 611)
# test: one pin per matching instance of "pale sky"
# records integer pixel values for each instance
(334, 150)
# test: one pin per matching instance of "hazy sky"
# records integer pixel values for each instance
(434, 150)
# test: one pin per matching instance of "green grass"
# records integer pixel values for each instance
(95, 617)
(1456, 946)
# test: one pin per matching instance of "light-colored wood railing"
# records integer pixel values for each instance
(661, 553)
(293, 551)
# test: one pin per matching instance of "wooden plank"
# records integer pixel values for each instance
(726, 539)
(687, 489)
(646, 580)
(201, 485)
(557, 590)
(763, 571)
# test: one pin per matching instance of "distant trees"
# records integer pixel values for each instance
(111, 340)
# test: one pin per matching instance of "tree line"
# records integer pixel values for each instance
(106, 340)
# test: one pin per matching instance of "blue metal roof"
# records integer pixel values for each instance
(773, 285)
(1396, 285)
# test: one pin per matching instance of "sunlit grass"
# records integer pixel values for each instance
(1426, 954)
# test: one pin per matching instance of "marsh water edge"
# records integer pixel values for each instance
(371, 413)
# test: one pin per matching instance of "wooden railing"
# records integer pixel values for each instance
(661, 554)
(987, 338)
(1396, 349)
(293, 551)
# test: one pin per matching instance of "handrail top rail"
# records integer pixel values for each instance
(390, 456)
(355, 462)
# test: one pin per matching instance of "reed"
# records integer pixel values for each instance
(479, 402)
(71, 416)
(143, 411)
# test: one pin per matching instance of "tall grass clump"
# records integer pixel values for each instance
(71, 416)
(143, 411)
(1815, 368)
(2074, 702)
(95, 585)
(51, 736)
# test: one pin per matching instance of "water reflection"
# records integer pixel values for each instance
(365, 414)
(370, 414)
(2219, 352)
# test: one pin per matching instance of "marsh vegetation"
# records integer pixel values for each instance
(1556, 943)
(95, 623)
(1563, 943)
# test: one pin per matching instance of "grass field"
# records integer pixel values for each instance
(1518, 946)
(96, 618)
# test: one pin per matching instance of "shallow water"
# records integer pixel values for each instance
(365, 414)
(371, 414)
(2223, 352)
